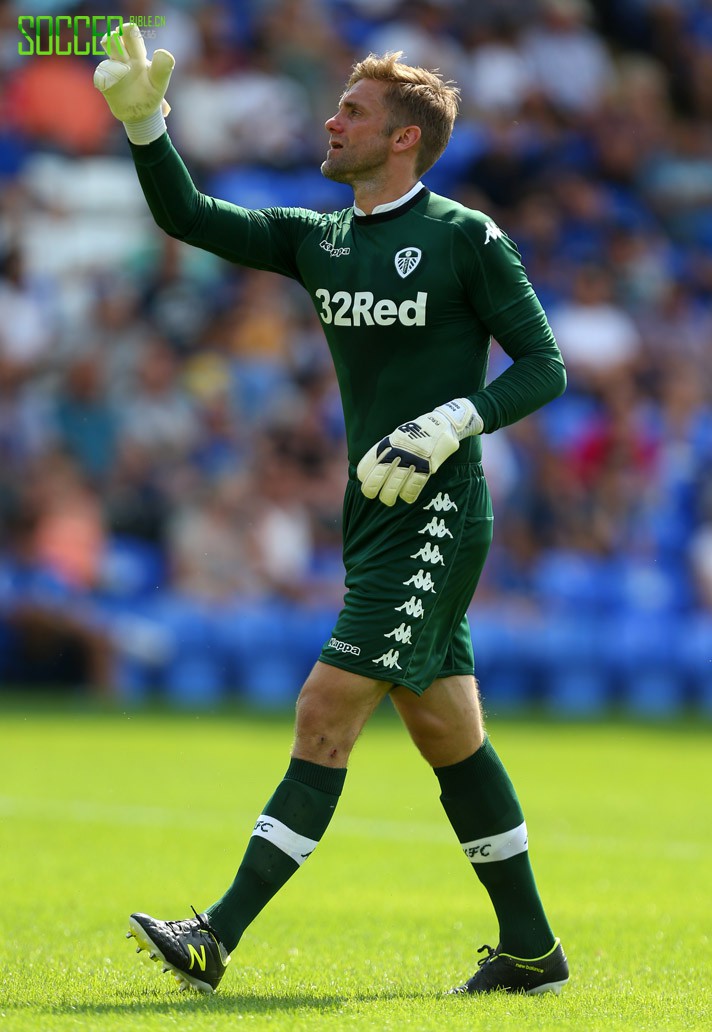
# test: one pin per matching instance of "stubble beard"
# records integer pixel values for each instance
(335, 174)
(367, 167)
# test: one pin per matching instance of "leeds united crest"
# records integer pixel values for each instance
(406, 260)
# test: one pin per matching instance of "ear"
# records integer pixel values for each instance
(405, 138)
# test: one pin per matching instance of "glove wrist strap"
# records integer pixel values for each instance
(147, 130)
(464, 417)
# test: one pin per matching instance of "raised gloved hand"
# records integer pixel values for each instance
(400, 465)
(133, 86)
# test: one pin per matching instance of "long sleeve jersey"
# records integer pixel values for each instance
(409, 298)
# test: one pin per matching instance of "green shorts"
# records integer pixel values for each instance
(411, 572)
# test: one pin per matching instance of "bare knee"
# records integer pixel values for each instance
(332, 709)
(319, 735)
(445, 723)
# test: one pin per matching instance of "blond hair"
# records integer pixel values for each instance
(413, 96)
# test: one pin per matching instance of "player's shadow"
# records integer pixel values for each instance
(233, 1003)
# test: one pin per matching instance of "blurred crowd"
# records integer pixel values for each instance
(170, 425)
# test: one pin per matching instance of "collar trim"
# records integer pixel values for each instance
(392, 209)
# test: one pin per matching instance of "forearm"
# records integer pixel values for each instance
(537, 376)
(524, 387)
(173, 199)
(257, 239)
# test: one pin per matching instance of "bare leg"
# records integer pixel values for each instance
(446, 721)
(332, 709)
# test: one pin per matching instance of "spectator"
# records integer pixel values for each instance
(53, 549)
(74, 121)
(136, 495)
(569, 63)
(25, 328)
(598, 339)
(258, 114)
(422, 30)
(86, 423)
(282, 534)
(159, 415)
(495, 77)
(211, 543)
(69, 534)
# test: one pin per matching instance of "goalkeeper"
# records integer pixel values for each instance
(409, 287)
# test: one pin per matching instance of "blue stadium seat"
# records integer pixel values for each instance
(644, 649)
(694, 646)
(260, 658)
(503, 662)
(575, 677)
(194, 673)
(132, 568)
(569, 581)
(566, 422)
(648, 585)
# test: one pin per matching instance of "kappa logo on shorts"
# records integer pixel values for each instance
(407, 259)
(343, 646)
(413, 607)
(430, 554)
(436, 528)
(441, 503)
(403, 634)
(422, 580)
(389, 659)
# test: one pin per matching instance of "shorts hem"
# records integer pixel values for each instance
(469, 672)
(401, 681)
(353, 669)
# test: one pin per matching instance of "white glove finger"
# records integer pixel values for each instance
(413, 486)
(393, 484)
(367, 463)
(113, 44)
(108, 73)
(160, 68)
(105, 44)
(375, 480)
(371, 458)
(134, 44)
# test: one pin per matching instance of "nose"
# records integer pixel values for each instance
(332, 124)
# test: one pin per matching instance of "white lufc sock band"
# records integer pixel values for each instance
(298, 847)
(496, 847)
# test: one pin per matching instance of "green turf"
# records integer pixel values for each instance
(104, 813)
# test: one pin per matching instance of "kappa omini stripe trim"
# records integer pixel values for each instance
(497, 847)
(298, 847)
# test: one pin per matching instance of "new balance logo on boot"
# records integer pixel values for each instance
(190, 949)
(502, 971)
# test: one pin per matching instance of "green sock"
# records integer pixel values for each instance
(482, 806)
(286, 833)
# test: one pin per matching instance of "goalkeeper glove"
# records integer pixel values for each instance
(133, 86)
(401, 464)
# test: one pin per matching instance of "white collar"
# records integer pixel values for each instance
(392, 204)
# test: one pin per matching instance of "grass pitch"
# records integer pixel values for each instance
(102, 813)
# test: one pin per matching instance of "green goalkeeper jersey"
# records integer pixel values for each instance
(408, 298)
